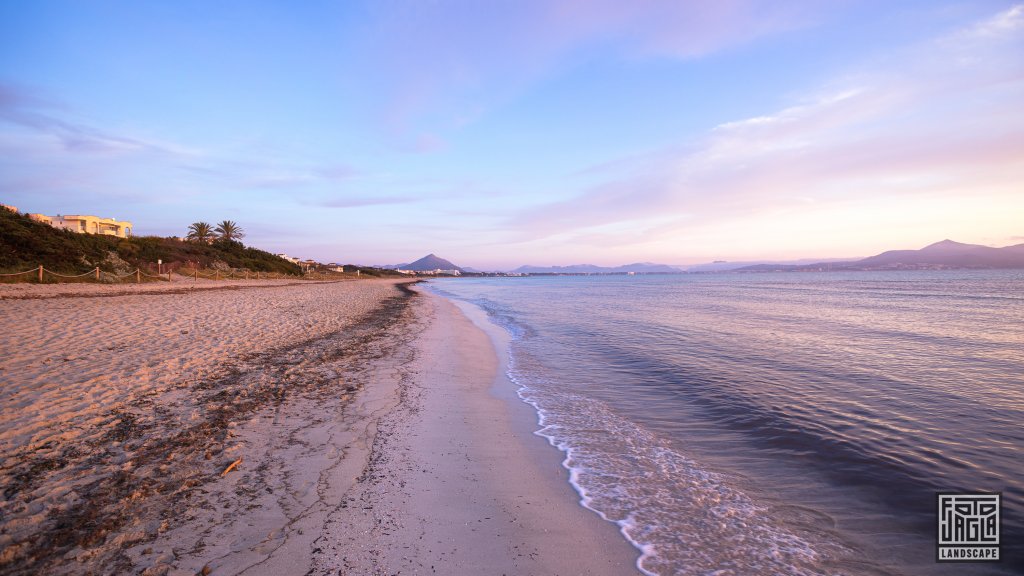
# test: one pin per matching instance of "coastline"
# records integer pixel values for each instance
(526, 423)
(461, 483)
(372, 428)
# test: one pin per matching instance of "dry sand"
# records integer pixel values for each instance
(374, 431)
(180, 285)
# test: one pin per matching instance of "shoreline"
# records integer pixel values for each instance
(528, 421)
(360, 427)
(461, 482)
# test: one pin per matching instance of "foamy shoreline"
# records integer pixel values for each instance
(365, 421)
(462, 485)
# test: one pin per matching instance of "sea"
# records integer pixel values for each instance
(776, 423)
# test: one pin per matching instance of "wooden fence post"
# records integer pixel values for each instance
(216, 274)
(97, 273)
(138, 276)
(196, 272)
(40, 273)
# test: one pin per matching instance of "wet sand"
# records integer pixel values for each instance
(460, 484)
(370, 430)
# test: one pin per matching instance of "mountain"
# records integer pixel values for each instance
(723, 266)
(944, 254)
(431, 262)
(638, 267)
(951, 254)
(648, 268)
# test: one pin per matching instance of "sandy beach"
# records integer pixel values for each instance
(288, 428)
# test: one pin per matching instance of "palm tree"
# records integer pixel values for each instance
(228, 231)
(200, 232)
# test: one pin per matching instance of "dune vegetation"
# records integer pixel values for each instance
(25, 244)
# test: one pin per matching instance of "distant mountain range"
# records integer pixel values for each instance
(724, 266)
(639, 267)
(945, 254)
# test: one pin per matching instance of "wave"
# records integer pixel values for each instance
(726, 429)
(684, 518)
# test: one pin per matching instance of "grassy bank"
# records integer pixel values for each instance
(26, 244)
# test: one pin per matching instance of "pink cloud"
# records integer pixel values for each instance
(920, 124)
(444, 64)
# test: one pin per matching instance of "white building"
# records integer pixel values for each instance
(87, 224)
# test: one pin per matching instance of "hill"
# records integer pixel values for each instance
(944, 254)
(25, 244)
(430, 262)
(951, 254)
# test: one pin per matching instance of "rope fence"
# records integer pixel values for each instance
(196, 274)
(42, 275)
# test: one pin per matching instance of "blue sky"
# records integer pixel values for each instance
(503, 133)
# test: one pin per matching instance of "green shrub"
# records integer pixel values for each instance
(25, 244)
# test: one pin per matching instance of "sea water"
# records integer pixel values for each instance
(789, 423)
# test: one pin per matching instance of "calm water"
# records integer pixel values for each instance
(776, 423)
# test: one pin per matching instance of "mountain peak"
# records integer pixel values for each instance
(948, 244)
(431, 262)
(945, 254)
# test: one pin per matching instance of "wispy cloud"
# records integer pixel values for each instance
(445, 63)
(939, 118)
(361, 201)
(337, 172)
(26, 109)
(245, 172)
(1000, 25)
(46, 150)
(674, 29)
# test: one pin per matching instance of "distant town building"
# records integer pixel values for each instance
(435, 272)
(87, 224)
(291, 259)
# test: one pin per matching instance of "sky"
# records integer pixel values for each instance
(500, 133)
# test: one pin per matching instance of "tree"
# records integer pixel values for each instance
(200, 232)
(228, 231)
